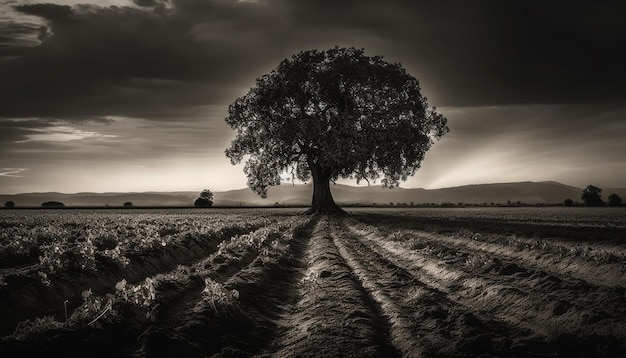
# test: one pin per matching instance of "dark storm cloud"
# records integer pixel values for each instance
(51, 12)
(150, 60)
(99, 61)
(146, 3)
(12, 33)
(494, 52)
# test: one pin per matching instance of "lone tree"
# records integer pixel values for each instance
(332, 114)
(205, 200)
(615, 200)
(9, 204)
(591, 196)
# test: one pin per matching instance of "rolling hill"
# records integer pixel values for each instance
(285, 195)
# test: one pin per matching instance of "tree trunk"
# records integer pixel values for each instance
(322, 201)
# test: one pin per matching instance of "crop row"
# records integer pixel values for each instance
(50, 244)
(526, 299)
(137, 304)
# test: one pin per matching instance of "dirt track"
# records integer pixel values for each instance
(344, 287)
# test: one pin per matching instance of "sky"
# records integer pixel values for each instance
(131, 95)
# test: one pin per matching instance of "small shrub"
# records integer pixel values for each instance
(52, 204)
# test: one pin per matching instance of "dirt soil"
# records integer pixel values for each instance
(346, 287)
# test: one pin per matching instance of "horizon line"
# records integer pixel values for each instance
(291, 184)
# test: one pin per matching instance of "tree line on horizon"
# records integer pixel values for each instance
(591, 196)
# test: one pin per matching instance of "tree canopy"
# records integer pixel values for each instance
(205, 199)
(592, 196)
(332, 114)
(615, 200)
(52, 204)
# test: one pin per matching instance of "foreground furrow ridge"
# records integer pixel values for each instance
(597, 260)
(562, 320)
(30, 292)
(333, 316)
(424, 321)
(242, 284)
(556, 293)
(155, 309)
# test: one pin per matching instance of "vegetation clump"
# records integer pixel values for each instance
(52, 204)
(592, 196)
(615, 200)
(205, 200)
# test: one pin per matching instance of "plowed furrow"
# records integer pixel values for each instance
(518, 304)
(264, 283)
(597, 263)
(424, 321)
(188, 310)
(333, 316)
(25, 296)
(560, 293)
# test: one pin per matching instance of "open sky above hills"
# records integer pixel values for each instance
(125, 95)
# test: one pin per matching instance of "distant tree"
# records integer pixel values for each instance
(9, 204)
(332, 114)
(568, 202)
(128, 204)
(52, 204)
(591, 196)
(205, 200)
(615, 200)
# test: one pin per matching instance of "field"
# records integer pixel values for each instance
(402, 282)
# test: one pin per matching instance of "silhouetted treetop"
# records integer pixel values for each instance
(591, 196)
(615, 200)
(205, 199)
(332, 114)
(52, 204)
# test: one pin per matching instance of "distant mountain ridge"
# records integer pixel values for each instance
(547, 192)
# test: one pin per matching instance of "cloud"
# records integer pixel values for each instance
(126, 61)
(146, 3)
(49, 130)
(96, 61)
(62, 134)
(12, 172)
(52, 12)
